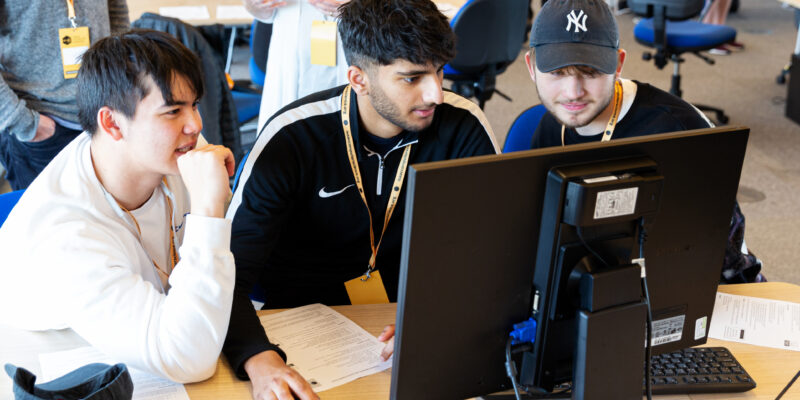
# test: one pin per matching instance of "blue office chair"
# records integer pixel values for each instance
(521, 133)
(489, 33)
(7, 202)
(239, 171)
(669, 31)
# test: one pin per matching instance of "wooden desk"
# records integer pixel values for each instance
(138, 7)
(771, 368)
(373, 318)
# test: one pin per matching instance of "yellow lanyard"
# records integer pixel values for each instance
(173, 253)
(398, 179)
(71, 12)
(612, 122)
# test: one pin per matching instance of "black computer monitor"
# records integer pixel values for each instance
(473, 230)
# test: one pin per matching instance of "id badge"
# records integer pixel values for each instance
(74, 42)
(370, 291)
(323, 43)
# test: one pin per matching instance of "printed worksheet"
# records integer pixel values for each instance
(145, 386)
(752, 320)
(324, 346)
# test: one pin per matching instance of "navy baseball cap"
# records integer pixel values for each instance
(89, 382)
(575, 32)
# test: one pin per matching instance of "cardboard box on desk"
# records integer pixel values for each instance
(793, 94)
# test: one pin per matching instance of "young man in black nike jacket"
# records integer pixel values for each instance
(301, 226)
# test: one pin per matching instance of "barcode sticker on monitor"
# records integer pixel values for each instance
(614, 203)
(667, 330)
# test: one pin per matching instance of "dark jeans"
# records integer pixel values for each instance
(23, 161)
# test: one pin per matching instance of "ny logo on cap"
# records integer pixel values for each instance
(580, 23)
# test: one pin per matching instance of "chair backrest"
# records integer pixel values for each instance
(488, 32)
(521, 133)
(675, 10)
(7, 202)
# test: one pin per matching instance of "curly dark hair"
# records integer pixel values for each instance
(382, 31)
(114, 70)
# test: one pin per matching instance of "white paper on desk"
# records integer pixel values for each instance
(324, 346)
(145, 386)
(752, 320)
(185, 12)
(233, 12)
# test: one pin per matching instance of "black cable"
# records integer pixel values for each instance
(511, 369)
(791, 382)
(648, 346)
(586, 245)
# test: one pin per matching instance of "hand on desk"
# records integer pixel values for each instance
(387, 336)
(272, 379)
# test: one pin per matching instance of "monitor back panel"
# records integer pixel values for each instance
(470, 236)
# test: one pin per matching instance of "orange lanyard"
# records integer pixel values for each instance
(71, 12)
(173, 253)
(398, 179)
(612, 122)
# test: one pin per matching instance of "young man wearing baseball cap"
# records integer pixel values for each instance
(575, 62)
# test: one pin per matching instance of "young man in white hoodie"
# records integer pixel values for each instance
(122, 238)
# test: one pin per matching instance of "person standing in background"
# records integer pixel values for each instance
(290, 73)
(40, 46)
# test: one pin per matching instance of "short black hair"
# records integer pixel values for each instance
(382, 31)
(114, 70)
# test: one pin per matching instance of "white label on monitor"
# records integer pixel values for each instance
(614, 203)
(667, 330)
(700, 328)
(605, 178)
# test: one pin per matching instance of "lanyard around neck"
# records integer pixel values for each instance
(612, 122)
(173, 253)
(352, 156)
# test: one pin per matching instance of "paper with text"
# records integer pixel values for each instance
(325, 347)
(185, 12)
(752, 320)
(145, 386)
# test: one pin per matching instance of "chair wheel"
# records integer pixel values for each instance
(781, 79)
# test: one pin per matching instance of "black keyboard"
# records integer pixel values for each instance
(698, 370)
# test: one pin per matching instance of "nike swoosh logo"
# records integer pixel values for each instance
(323, 194)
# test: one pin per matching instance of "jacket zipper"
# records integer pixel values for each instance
(380, 174)
(381, 165)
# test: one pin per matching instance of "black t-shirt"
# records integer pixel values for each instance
(653, 111)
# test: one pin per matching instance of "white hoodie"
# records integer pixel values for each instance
(71, 258)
